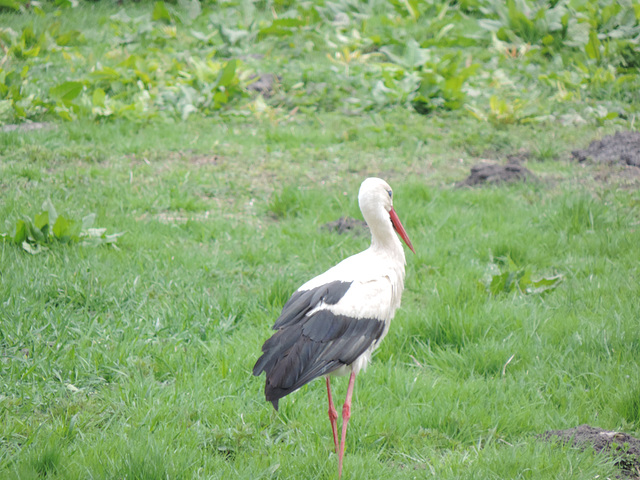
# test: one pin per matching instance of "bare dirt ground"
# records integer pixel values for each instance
(621, 148)
(264, 84)
(491, 172)
(346, 224)
(623, 447)
(616, 159)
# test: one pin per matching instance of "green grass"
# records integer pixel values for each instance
(135, 361)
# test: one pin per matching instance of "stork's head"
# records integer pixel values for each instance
(376, 203)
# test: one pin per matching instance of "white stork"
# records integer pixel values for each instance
(333, 323)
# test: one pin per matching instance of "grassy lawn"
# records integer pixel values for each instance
(134, 360)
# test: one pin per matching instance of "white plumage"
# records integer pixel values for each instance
(333, 323)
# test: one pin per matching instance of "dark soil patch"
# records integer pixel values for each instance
(264, 84)
(347, 224)
(490, 172)
(624, 447)
(622, 148)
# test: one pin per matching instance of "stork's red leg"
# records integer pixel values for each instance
(333, 416)
(346, 415)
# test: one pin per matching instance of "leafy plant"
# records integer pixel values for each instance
(442, 84)
(172, 59)
(509, 277)
(438, 81)
(48, 227)
(545, 24)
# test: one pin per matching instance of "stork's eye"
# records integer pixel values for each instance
(390, 193)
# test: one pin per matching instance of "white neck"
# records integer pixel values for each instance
(383, 236)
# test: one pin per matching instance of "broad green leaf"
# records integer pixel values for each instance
(47, 206)
(66, 229)
(288, 22)
(33, 232)
(61, 228)
(20, 233)
(409, 56)
(592, 48)
(281, 27)
(191, 7)
(28, 36)
(66, 91)
(98, 97)
(227, 74)
(525, 280)
(220, 98)
(72, 37)
(499, 283)
(160, 12)
(515, 279)
(107, 74)
(547, 40)
(10, 4)
(31, 52)
(609, 12)
(41, 220)
(88, 221)
(41, 223)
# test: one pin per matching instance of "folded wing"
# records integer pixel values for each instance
(311, 340)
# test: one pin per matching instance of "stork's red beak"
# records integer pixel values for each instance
(400, 229)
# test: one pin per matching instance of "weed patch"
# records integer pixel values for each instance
(35, 235)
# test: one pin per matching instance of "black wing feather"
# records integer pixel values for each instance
(303, 301)
(308, 346)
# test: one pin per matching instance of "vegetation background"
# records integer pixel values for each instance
(165, 169)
